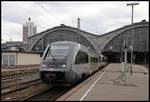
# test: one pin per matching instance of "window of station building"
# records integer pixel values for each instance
(5, 60)
(81, 58)
(12, 60)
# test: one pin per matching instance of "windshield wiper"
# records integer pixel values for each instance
(53, 57)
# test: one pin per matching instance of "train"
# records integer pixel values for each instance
(67, 62)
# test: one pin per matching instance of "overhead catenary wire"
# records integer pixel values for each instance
(28, 12)
(49, 12)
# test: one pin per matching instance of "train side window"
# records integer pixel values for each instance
(91, 59)
(81, 58)
(99, 58)
(95, 59)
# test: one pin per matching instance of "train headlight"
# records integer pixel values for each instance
(63, 65)
(43, 65)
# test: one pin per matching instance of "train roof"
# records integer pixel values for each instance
(71, 42)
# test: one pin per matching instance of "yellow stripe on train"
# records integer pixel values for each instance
(91, 55)
(90, 71)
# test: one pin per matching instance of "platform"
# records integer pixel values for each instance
(105, 86)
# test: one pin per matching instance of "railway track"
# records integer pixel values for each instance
(31, 90)
(53, 93)
(17, 87)
(12, 73)
(50, 94)
(24, 91)
(5, 83)
(16, 76)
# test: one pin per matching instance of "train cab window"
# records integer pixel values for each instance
(81, 58)
(47, 51)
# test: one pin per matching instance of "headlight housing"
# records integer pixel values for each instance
(43, 65)
(63, 65)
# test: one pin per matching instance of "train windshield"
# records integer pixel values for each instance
(58, 51)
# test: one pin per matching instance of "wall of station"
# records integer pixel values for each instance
(20, 59)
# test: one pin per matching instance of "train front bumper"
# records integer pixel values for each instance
(53, 69)
(68, 76)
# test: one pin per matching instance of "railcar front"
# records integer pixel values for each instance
(56, 63)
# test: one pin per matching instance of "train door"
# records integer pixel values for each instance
(94, 64)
